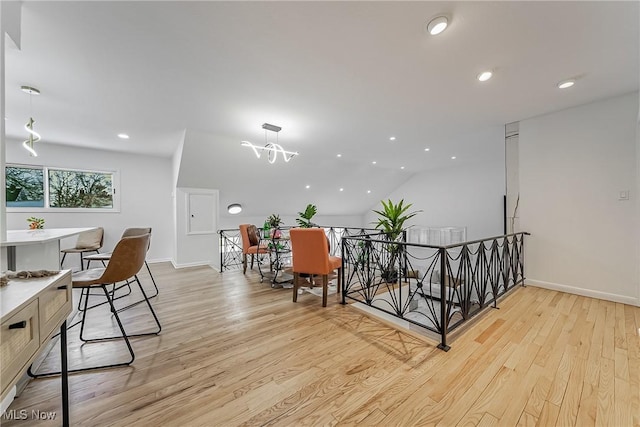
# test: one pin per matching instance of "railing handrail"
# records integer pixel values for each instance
(295, 226)
(366, 238)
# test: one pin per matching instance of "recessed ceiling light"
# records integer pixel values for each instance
(374, 162)
(368, 191)
(437, 25)
(453, 157)
(566, 84)
(401, 167)
(485, 75)
(339, 155)
(342, 189)
(426, 149)
(30, 90)
(393, 138)
(307, 187)
(123, 136)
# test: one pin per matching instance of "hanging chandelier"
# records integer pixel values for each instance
(33, 135)
(271, 148)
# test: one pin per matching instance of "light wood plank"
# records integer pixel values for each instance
(605, 415)
(549, 415)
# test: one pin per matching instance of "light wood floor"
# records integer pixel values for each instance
(234, 351)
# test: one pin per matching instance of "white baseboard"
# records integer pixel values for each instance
(584, 292)
(158, 260)
(191, 264)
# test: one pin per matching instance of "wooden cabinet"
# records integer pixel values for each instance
(54, 305)
(20, 341)
(31, 311)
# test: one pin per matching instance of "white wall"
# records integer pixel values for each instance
(3, 217)
(573, 164)
(469, 195)
(145, 191)
(176, 160)
(10, 25)
(232, 222)
(195, 249)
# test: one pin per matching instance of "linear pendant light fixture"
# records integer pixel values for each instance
(33, 135)
(271, 148)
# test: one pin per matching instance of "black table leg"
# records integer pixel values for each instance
(11, 258)
(64, 377)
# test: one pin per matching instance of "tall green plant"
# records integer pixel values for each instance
(392, 218)
(391, 221)
(304, 220)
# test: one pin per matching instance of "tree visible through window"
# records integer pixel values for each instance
(77, 189)
(24, 187)
(47, 188)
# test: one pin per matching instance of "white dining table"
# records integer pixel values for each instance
(35, 249)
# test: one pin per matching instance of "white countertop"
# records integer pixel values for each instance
(19, 292)
(30, 237)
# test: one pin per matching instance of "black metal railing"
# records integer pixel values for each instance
(335, 235)
(231, 243)
(438, 288)
(230, 249)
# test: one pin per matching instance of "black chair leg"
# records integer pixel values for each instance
(80, 299)
(84, 315)
(113, 297)
(144, 294)
(153, 280)
(146, 299)
(92, 368)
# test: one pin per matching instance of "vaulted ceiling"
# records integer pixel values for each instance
(338, 77)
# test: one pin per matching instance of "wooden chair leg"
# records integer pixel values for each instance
(325, 286)
(296, 278)
(244, 263)
(252, 258)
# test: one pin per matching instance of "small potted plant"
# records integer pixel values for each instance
(35, 223)
(274, 223)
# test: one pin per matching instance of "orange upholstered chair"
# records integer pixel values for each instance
(310, 251)
(250, 244)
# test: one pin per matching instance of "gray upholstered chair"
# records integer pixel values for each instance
(88, 241)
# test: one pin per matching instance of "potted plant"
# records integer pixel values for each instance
(304, 220)
(391, 222)
(35, 223)
(275, 222)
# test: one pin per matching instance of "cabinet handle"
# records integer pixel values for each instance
(62, 288)
(19, 325)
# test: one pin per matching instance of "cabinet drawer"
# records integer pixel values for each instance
(54, 306)
(20, 340)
